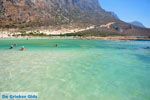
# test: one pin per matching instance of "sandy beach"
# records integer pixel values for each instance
(60, 34)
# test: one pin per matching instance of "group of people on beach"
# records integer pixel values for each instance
(14, 45)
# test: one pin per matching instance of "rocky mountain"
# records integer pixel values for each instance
(78, 13)
(14, 13)
(138, 24)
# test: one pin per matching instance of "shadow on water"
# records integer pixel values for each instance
(143, 58)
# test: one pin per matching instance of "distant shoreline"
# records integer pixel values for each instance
(123, 38)
(118, 38)
(64, 33)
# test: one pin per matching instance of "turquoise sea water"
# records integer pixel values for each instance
(77, 69)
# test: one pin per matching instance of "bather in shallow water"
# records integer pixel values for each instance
(11, 47)
(22, 48)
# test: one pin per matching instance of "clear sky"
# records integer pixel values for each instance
(129, 10)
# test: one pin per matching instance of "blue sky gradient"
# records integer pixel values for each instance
(129, 10)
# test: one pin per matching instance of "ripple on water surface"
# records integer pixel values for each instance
(77, 69)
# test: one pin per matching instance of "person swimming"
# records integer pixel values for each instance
(56, 45)
(22, 48)
(11, 47)
(147, 47)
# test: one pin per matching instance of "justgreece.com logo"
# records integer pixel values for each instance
(18, 95)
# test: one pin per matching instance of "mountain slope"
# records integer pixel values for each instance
(77, 13)
(138, 24)
(50, 12)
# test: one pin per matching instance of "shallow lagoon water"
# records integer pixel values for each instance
(77, 69)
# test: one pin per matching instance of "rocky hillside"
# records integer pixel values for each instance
(138, 24)
(14, 13)
(36, 13)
